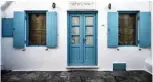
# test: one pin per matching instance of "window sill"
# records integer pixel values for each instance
(127, 46)
(36, 46)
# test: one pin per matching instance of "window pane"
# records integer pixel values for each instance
(89, 20)
(75, 30)
(75, 39)
(37, 29)
(75, 20)
(89, 30)
(89, 39)
(127, 29)
(35, 37)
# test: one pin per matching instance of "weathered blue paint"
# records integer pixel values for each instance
(119, 66)
(51, 29)
(7, 27)
(112, 38)
(82, 54)
(19, 29)
(145, 30)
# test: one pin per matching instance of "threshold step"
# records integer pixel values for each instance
(82, 67)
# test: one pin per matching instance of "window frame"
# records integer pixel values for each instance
(137, 28)
(27, 26)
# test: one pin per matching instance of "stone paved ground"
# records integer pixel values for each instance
(76, 76)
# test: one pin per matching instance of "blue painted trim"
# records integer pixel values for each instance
(27, 30)
(36, 11)
(68, 38)
(27, 27)
(137, 15)
(96, 34)
(125, 12)
(137, 30)
(85, 12)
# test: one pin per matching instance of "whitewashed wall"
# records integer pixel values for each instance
(36, 58)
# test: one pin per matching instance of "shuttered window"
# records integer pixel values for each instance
(129, 28)
(39, 28)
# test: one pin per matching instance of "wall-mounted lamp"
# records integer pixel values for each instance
(109, 6)
(53, 5)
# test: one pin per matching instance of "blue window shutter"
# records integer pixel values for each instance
(51, 27)
(19, 29)
(112, 38)
(7, 27)
(145, 30)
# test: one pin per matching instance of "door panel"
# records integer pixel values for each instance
(82, 38)
(89, 48)
(89, 56)
(76, 56)
(75, 39)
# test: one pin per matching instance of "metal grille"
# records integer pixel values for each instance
(127, 29)
(37, 29)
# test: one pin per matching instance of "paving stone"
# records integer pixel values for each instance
(76, 76)
(109, 79)
(120, 78)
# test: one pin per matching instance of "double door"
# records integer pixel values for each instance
(82, 39)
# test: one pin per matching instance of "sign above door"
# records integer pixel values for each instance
(79, 5)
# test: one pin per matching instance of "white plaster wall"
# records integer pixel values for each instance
(0, 35)
(36, 58)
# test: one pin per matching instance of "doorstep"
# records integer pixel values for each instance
(82, 67)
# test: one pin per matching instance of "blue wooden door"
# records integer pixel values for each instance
(89, 33)
(82, 39)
